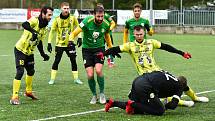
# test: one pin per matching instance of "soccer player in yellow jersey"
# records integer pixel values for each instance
(63, 25)
(33, 35)
(141, 51)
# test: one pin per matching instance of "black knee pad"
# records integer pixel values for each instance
(19, 72)
(30, 72)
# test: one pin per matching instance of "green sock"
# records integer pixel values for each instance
(101, 83)
(92, 85)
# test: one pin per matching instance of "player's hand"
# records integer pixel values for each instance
(79, 42)
(187, 55)
(49, 48)
(117, 55)
(151, 32)
(100, 55)
(71, 48)
(172, 104)
(45, 57)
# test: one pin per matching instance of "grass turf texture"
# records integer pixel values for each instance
(65, 97)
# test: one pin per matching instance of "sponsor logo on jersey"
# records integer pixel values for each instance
(95, 35)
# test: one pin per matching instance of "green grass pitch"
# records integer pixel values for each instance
(65, 97)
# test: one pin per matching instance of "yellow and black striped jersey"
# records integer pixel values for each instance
(142, 54)
(63, 28)
(24, 44)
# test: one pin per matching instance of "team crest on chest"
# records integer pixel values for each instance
(103, 30)
(95, 35)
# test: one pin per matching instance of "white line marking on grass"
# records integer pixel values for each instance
(99, 110)
(69, 115)
(201, 92)
(5, 55)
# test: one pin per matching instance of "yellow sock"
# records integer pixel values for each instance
(53, 74)
(191, 94)
(28, 81)
(181, 102)
(75, 74)
(16, 87)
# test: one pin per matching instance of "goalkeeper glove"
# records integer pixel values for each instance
(186, 55)
(151, 32)
(45, 57)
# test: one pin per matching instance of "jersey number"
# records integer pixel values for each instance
(170, 76)
(21, 62)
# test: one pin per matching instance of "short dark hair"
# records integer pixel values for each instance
(137, 5)
(182, 81)
(98, 9)
(45, 8)
(138, 27)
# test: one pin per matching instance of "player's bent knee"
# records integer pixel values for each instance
(19, 72)
(31, 72)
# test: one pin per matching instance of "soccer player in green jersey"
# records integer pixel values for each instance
(136, 20)
(63, 25)
(95, 31)
(107, 17)
(33, 35)
(141, 51)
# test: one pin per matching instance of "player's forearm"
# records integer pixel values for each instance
(26, 25)
(108, 40)
(125, 36)
(40, 48)
(74, 33)
(112, 25)
(170, 48)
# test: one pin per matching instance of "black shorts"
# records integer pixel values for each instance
(23, 60)
(59, 52)
(141, 90)
(90, 58)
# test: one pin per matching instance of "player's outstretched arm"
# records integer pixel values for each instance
(42, 53)
(74, 34)
(114, 51)
(170, 48)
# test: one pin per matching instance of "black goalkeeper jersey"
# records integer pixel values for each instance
(163, 84)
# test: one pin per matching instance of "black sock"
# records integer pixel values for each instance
(119, 104)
